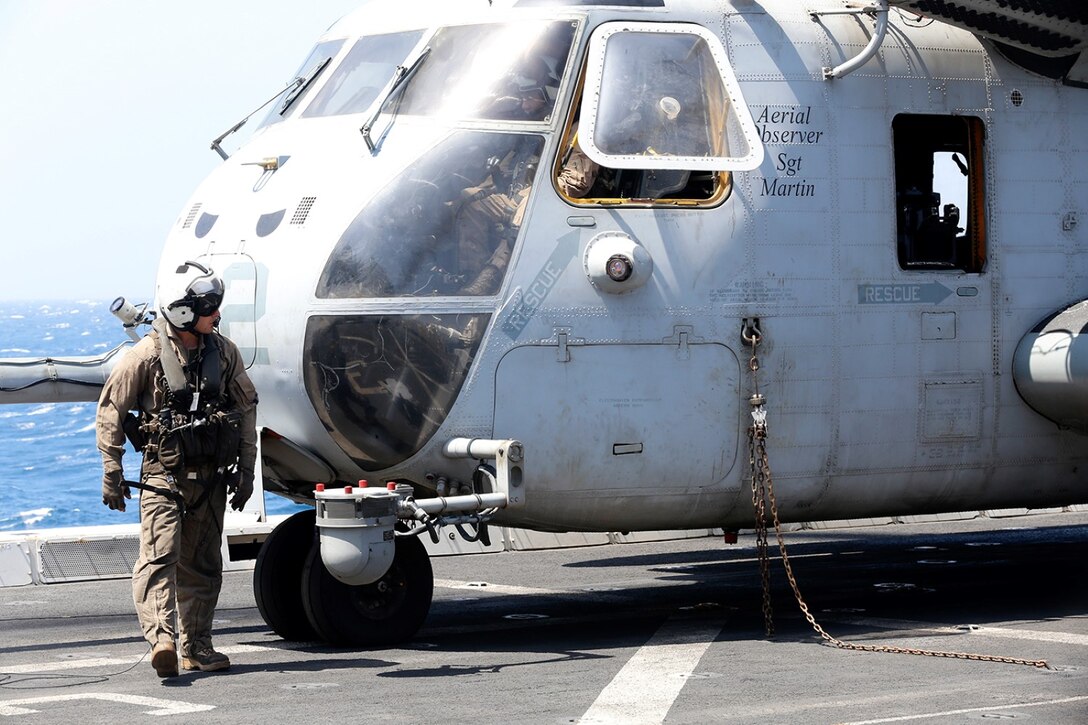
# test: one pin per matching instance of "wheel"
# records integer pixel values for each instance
(277, 577)
(385, 612)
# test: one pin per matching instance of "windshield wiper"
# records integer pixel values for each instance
(294, 89)
(401, 76)
(301, 84)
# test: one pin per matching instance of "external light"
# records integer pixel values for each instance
(131, 316)
(616, 264)
(619, 268)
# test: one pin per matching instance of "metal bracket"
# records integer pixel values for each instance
(509, 457)
(563, 341)
(682, 337)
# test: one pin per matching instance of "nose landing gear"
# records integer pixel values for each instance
(301, 601)
(379, 588)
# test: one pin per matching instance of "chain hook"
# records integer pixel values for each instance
(750, 334)
(766, 513)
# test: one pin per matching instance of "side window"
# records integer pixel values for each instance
(660, 119)
(939, 192)
(581, 180)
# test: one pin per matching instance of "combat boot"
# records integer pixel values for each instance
(164, 658)
(205, 659)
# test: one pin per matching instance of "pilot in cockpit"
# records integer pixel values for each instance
(489, 216)
(524, 94)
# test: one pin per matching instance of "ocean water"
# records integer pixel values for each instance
(50, 469)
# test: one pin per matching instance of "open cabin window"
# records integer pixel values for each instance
(661, 118)
(939, 192)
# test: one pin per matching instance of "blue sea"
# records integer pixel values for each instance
(50, 469)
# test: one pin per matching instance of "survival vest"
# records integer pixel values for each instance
(198, 425)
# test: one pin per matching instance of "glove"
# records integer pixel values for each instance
(114, 491)
(241, 490)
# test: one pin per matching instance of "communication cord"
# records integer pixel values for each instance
(16, 681)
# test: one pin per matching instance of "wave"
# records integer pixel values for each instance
(43, 409)
(34, 516)
(20, 350)
(48, 436)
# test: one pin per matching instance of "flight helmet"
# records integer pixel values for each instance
(191, 292)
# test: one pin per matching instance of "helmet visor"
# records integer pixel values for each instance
(207, 304)
(206, 293)
(205, 284)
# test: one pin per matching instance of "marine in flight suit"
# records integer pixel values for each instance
(185, 475)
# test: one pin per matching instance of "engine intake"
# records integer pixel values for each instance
(1050, 367)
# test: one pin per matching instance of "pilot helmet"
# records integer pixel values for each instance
(191, 292)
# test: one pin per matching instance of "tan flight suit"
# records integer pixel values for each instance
(578, 174)
(487, 221)
(179, 570)
(481, 223)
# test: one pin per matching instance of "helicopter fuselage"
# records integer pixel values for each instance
(404, 267)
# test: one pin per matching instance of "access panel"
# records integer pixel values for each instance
(633, 418)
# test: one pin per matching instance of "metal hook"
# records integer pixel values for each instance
(750, 334)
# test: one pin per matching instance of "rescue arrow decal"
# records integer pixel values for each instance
(525, 303)
(902, 294)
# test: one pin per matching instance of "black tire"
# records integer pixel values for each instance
(277, 577)
(389, 611)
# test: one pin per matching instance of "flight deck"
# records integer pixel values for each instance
(640, 633)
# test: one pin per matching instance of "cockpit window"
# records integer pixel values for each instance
(496, 72)
(362, 75)
(383, 384)
(443, 227)
(305, 79)
(662, 96)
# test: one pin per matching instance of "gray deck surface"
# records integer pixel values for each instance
(662, 632)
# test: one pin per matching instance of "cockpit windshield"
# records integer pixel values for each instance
(496, 71)
(444, 227)
(314, 65)
(359, 79)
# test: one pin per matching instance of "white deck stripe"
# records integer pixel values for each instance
(926, 628)
(494, 588)
(1035, 634)
(644, 690)
(946, 713)
(158, 706)
(61, 665)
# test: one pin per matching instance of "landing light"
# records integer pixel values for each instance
(615, 263)
(619, 268)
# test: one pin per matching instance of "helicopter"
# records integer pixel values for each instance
(835, 241)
